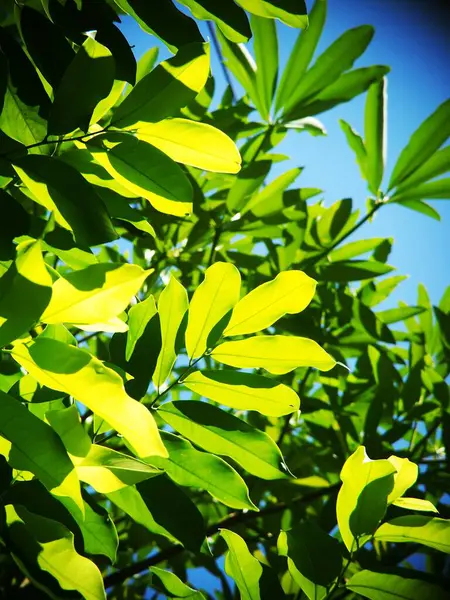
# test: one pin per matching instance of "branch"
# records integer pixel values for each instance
(229, 521)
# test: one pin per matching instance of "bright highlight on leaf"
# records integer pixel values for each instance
(192, 143)
(95, 294)
(277, 354)
(242, 566)
(290, 292)
(213, 299)
(244, 391)
(78, 374)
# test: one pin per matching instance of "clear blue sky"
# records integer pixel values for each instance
(411, 37)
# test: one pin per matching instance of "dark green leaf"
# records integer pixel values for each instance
(353, 270)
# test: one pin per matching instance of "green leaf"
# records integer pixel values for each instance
(212, 301)
(125, 63)
(104, 469)
(164, 509)
(353, 270)
(219, 432)
(314, 558)
(353, 249)
(333, 221)
(356, 143)
(421, 207)
(26, 291)
(50, 545)
(300, 57)
(242, 566)
(415, 504)
(35, 447)
(380, 586)
(393, 315)
(229, 18)
(81, 375)
(94, 295)
(363, 497)
(289, 293)
(166, 89)
(51, 58)
(145, 171)
(345, 88)
(240, 62)
(374, 293)
(18, 224)
(277, 354)
(437, 164)
(119, 208)
(247, 182)
(145, 64)
(172, 306)
(60, 188)
(168, 23)
(438, 190)
(138, 317)
(192, 143)
(265, 45)
(424, 142)
(292, 12)
(404, 477)
(244, 391)
(429, 531)
(25, 103)
(210, 473)
(375, 134)
(173, 586)
(258, 202)
(336, 59)
(88, 80)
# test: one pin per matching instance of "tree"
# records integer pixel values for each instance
(167, 306)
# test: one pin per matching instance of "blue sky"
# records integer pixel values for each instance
(411, 38)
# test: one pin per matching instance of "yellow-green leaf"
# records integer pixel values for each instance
(362, 499)
(277, 354)
(138, 317)
(290, 292)
(404, 477)
(188, 466)
(382, 586)
(415, 504)
(430, 531)
(106, 470)
(81, 375)
(49, 545)
(242, 566)
(33, 446)
(172, 306)
(26, 291)
(192, 143)
(145, 171)
(244, 391)
(166, 89)
(95, 294)
(212, 300)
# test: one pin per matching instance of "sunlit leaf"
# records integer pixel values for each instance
(166, 89)
(290, 292)
(211, 473)
(405, 476)
(173, 586)
(424, 142)
(26, 291)
(192, 143)
(415, 504)
(219, 432)
(212, 301)
(81, 375)
(277, 354)
(375, 134)
(265, 45)
(382, 586)
(429, 531)
(244, 391)
(242, 566)
(95, 294)
(363, 497)
(291, 13)
(172, 306)
(138, 317)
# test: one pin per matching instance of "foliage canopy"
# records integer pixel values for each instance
(168, 306)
